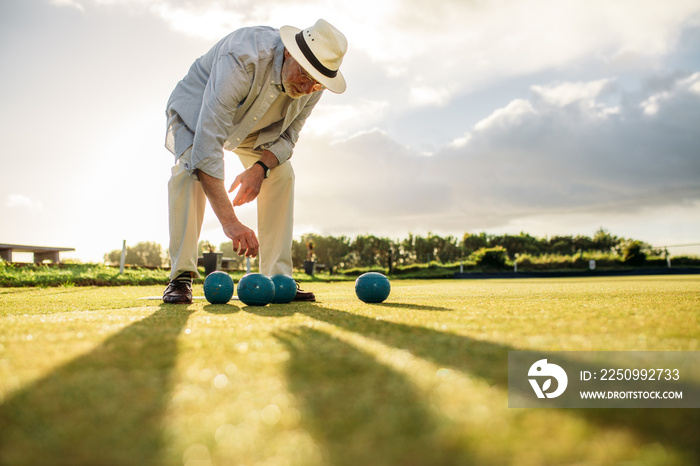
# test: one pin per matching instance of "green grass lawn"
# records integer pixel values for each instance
(96, 376)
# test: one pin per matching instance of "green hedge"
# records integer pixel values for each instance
(20, 275)
(491, 257)
(23, 275)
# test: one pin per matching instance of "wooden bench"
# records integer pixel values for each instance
(41, 253)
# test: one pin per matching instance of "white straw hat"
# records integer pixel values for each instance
(319, 50)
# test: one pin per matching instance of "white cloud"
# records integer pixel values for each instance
(651, 105)
(468, 44)
(453, 45)
(562, 94)
(19, 201)
(461, 141)
(334, 120)
(68, 3)
(211, 23)
(690, 84)
(528, 159)
(422, 95)
(510, 115)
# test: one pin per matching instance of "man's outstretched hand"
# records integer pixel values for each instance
(250, 182)
(243, 238)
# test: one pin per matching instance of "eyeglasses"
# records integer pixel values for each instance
(305, 78)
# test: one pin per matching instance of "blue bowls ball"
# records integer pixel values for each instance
(218, 287)
(285, 288)
(372, 287)
(255, 289)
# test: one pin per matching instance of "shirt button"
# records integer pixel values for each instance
(255, 118)
(272, 96)
(238, 139)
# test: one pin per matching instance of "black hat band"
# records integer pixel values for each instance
(303, 46)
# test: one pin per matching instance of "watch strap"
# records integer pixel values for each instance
(266, 169)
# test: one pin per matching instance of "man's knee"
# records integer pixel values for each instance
(283, 173)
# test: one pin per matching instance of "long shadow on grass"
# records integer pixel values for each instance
(414, 307)
(102, 408)
(276, 310)
(489, 361)
(360, 411)
(221, 309)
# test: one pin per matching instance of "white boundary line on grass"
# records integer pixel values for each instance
(156, 298)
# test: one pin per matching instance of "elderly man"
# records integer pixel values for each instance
(251, 93)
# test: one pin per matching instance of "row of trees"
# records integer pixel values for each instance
(145, 254)
(343, 252)
(151, 254)
(369, 250)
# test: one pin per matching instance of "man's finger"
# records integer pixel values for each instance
(241, 198)
(236, 183)
(252, 251)
(251, 245)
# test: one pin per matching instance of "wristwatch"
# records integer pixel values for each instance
(265, 168)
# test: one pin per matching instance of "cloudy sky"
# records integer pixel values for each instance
(544, 116)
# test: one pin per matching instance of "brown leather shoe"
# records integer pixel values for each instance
(304, 295)
(178, 292)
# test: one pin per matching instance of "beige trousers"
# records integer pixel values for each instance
(187, 202)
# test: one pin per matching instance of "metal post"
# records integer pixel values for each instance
(123, 259)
